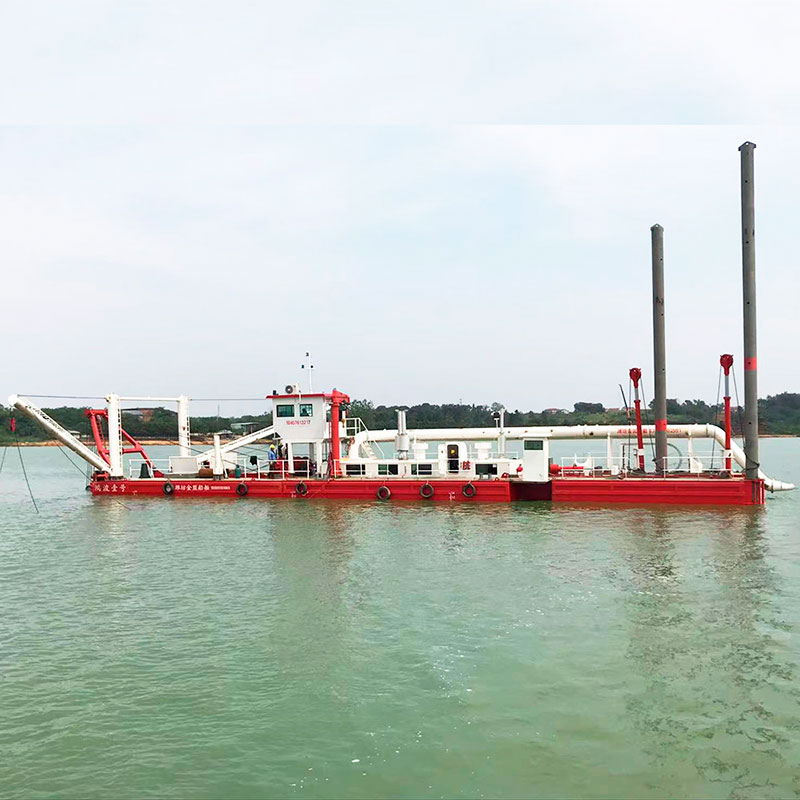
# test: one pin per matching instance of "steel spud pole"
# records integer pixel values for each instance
(659, 348)
(749, 304)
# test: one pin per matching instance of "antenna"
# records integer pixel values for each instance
(310, 367)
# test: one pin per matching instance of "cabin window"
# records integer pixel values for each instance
(387, 469)
(486, 469)
(306, 410)
(284, 411)
(422, 469)
(534, 444)
(354, 469)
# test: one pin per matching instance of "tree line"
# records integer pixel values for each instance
(778, 414)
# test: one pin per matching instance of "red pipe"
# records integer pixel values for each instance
(94, 414)
(636, 376)
(336, 398)
(726, 362)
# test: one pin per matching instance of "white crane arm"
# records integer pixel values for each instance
(58, 431)
(235, 444)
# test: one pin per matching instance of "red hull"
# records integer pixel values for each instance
(672, 491)
(342, 489)
(635, 491)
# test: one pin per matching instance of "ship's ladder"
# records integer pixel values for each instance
(368, 449)
(354, 426)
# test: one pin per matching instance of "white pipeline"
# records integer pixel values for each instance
(567, 432)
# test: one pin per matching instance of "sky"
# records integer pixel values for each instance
(442, 202)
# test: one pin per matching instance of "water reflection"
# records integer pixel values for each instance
(704, 635)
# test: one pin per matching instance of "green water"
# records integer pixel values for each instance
(157, 648)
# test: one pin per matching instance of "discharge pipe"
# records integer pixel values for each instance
(749, 303)
(659, 348)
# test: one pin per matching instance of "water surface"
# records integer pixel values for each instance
(155, 648)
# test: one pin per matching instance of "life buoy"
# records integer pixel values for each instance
(384, 493)
(301, 489)
(468, 490)
(168, 489)
(242, 489)
(426, 491)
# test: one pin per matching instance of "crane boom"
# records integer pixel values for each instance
(58, 431)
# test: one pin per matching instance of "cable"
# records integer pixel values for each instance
(650, 437)
(627, 408)
(77, 467)
(714, 417)
(25, 473)
(628, 417)
(102, 397)
(65, 396)
(5, 450)
(738, 406)
(228, 399)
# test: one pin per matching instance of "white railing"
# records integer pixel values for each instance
(694, 464)
(590, 465)
(159, 464)
(278, 468)
(353, 426)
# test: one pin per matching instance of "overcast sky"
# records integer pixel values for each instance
(441, 201)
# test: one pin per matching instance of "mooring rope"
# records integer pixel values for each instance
(25, 473)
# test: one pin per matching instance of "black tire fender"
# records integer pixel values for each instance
(468, 490)
(242, 490)
(168, 489)
(301, 489)
(426, 491)
(384, 493)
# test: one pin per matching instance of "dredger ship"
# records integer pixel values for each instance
(320, 451)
